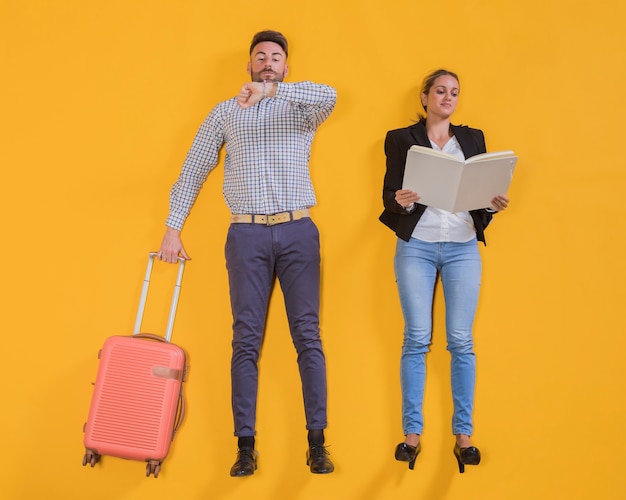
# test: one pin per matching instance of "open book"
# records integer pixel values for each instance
(443, 181)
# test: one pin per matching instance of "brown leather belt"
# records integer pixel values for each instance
(269, 220)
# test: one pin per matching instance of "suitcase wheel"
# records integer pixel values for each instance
(153, 468)
(91, 458)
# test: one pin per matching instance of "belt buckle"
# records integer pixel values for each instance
(274, 219)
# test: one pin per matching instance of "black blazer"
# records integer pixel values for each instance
(397, 144)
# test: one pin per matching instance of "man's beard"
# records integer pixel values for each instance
(276, 77)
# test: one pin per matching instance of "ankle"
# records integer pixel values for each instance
(463, 441)
(245, 442)
(412, 439)
(316, 437)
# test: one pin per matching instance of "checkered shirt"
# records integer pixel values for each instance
(268, 146)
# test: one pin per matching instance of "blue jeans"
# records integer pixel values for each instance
(255, 256)
(417, 264)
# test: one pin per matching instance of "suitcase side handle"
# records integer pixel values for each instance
(144, 295)
(180, 415)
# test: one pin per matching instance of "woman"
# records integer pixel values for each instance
(431, 242)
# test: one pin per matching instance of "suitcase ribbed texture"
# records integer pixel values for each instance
(132, 413)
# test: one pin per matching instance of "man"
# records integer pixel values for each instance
(267, 131)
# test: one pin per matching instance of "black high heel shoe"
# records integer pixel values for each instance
(407, 453)
(466, 456)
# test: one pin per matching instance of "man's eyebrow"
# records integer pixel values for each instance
(261, 52)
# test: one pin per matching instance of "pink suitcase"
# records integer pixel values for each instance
(138, 404)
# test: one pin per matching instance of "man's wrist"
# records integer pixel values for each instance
(269, 89)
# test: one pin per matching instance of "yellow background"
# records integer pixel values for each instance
(99, 104)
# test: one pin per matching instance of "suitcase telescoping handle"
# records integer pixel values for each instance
(144, 295)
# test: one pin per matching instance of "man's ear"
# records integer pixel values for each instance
(286, 69)
(249, 68)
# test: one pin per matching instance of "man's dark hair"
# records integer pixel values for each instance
(269, 36)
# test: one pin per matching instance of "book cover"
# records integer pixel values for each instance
(446, 182)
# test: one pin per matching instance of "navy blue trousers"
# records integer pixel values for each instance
(255, 256)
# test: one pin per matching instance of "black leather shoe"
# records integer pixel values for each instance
(317, 459)
(245, 465)
(407, 453)
(466, 456)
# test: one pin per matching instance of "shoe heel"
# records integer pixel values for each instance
(466, 456)
(461, 464)
(408, 453)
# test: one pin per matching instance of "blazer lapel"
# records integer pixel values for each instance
(468, 145)
(418, 132)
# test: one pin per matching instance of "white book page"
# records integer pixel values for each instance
(483, 180)
(442, 181)
(490, 156)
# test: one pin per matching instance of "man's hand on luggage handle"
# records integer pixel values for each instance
(172, 247)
